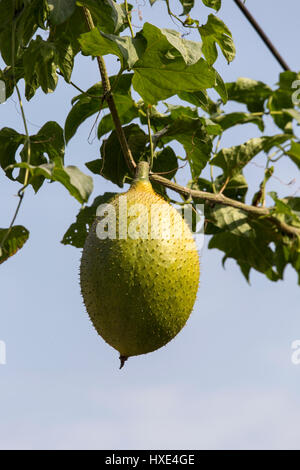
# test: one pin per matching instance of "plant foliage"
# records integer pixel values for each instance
(39, 41)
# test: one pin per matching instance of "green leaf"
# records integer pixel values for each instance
(109, 16)
(69, 31)
(232, 160)
(65, 57)
(211, 127)
(190, 51)
(286, 79)
(14, 239)
(89, 103)
(10, 141)
(97, 43)
(42, 59)
(288, 253)
(155, 84)
(77, 183)
(160, 121)
(245, 268)
(162, 72)
(34, 15)
(215, 4)
(216, 32)
(187, 6)
(130, 50)
(284, 211)
(279, 100)
(294, 203)
(159, 59)
(60, 10)
(85, 106)
(220, 88)
(78, 231)
(178, 111)
(26, 19)
(192, 134)
(236, 188)
(293, 113)
(112, 164)
(250, 92)
(48, 141)
(227, 121)
(40, 64)
(294, 153)
(9, 79)
(250, 251)
(198, 98)
(231, 219)
(8, 10)
(165, 163)
(127, 111)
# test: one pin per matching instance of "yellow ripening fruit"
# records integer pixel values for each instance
(139, 270)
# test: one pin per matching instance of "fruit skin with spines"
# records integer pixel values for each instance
(140, 292)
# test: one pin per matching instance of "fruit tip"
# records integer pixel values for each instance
(123, 359)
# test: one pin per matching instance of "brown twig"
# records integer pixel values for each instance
(262, 34)
(224, 185)
(226, 201)
(110, 101)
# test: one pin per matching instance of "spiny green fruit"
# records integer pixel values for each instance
(139, 286)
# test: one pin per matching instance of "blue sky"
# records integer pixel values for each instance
(226, 381)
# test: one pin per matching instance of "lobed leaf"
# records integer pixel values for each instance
(216, 32)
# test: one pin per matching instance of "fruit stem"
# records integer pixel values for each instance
(123, 359)
(142, 172)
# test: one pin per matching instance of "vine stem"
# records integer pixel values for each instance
(171, 14)
(27, 136)
(128, 18)
(110, 101)
(211, 166)
(21, 191)
(209, 197)
(150, 138)
(74, 85)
